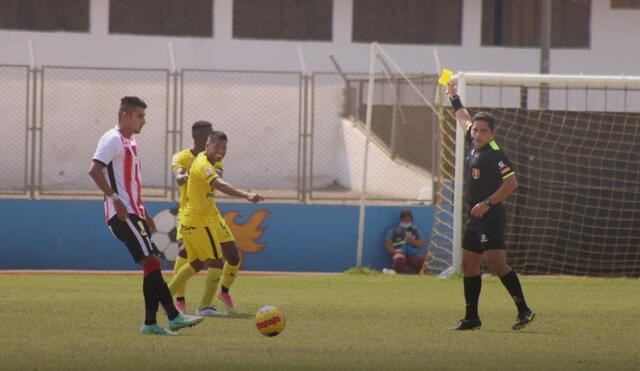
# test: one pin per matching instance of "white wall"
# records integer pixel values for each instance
(613, 47)
(385, 177)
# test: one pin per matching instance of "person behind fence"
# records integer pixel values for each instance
(405, 243)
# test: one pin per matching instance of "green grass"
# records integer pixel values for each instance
(55, 322)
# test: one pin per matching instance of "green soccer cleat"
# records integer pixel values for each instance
(523, 319)
(184, 320)
(467, 324)
(155, 330)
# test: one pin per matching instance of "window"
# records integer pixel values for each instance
(43, 15)
(408, 21)
(283, 19)
(625, 4)
(517, 23)
(161, 17)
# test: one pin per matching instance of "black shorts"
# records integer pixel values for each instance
(482, 234)
(133, 232)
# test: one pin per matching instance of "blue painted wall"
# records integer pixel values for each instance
(72, 234)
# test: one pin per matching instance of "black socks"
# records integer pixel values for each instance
(512, 283)
(472, 287)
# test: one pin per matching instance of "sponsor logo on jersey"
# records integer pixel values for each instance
(475, 173)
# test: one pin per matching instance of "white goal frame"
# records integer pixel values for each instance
(464, 78)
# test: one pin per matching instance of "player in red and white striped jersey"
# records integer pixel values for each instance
(116, 171)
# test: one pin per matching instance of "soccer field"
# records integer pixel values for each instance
(54, 322)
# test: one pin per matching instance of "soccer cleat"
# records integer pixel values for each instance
(227, 301)
(523, 319)
(210, 312)
(467, 324)
(184, 320)
(155, 330)
(180, 305)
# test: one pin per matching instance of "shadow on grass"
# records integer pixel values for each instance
(240, 316)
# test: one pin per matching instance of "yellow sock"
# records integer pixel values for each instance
(180, 261)
(180, 279)
(210, 286)
(229, 273)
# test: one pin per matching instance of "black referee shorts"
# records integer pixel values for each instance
(133, 232)
(482, 234)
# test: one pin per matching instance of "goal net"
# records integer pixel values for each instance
(575, 144)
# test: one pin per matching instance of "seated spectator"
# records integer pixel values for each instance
(405, 243)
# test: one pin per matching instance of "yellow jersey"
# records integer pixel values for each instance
(200, 200)
(184, 159)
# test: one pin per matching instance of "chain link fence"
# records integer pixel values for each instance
(261, 114)
(14, 105)
(79, 105)
(291, 137)
(403, 138)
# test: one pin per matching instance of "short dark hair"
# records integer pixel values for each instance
(217, 135)
(405, 213)
(127, 104)
(201, 125)
(486, 117)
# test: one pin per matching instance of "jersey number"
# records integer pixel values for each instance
(143, 231)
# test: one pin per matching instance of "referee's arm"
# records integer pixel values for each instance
(461, 113)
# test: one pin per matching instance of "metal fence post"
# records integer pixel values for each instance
(305, 127)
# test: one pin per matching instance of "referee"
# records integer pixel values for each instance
(489, 179)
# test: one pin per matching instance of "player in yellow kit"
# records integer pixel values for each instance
(180, 165)
(202, 224)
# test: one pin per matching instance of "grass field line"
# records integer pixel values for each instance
(202, 273)
(137, 273)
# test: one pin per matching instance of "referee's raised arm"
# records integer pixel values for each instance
(461, 113)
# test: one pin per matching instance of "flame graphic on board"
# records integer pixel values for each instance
(246, 234)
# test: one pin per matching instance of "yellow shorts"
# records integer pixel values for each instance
(203, 241)
(178, 230)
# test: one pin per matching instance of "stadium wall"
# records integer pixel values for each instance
(71, 234)
(610, 29)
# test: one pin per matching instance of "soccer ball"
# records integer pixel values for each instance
(270, 320)
(165, 234)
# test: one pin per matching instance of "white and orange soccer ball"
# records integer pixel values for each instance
(270, 320)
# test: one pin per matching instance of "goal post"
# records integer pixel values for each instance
(577, 210)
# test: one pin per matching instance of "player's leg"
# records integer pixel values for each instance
(496, 258)
(212, 279)
(472, 281)
(133, 233)
(231, 267)
(210, 287)
(181, 260)
(141, 252)
(196, 263)
(177, 320)
(229, 273)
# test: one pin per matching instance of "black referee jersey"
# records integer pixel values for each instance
(485, 168)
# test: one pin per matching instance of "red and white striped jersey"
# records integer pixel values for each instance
(120, 157)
